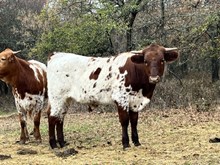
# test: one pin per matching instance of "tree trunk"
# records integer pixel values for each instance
(129, 31)
(215, 68)
(162, 23)
(184, 65)
(214, 59)
(132, 15)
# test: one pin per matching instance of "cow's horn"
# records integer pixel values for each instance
(15, 52)
(137, 51)
(170, 49)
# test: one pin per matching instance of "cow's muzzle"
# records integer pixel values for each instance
(154, 79)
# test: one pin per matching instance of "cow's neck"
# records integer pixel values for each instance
(136, 76)
(18, 76)
(12, 77)
(138, 79)
(148, 90)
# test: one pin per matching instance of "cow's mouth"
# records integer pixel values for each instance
(154, 79)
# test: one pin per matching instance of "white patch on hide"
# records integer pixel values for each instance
(37, 66)
(30, 102)
(138, 102)
(119, 93)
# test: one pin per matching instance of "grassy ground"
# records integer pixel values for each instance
(167, 137)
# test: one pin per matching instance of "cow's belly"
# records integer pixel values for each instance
(29, 103)
(93, 97)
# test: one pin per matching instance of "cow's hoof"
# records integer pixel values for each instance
(38, 141)
(53, 144)
(63, 144)
(31, 133)
(137, 144)
(126, 146)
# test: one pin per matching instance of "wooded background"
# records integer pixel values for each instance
(108, 27)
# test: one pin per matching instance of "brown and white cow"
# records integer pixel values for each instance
(29, 87)
(127, 80)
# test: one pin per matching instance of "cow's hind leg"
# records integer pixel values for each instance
(52, 123)
(60, 136)
(134, 121)
(24, 132)
(52, 138)
(36, 132)
(124, 120)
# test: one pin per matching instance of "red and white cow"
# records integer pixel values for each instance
(29, 87)
(127, 80)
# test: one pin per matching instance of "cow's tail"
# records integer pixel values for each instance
(50, 55)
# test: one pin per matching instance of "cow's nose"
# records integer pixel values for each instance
(154, 79)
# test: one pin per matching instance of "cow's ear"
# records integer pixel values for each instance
(11, 58)
(139, 59)
(170, 56)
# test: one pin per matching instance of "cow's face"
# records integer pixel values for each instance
(154, 58)
(7, 58)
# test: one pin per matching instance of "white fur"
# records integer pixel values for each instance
(35, 71)
(35, 65)
(68, 79)
(29, 102)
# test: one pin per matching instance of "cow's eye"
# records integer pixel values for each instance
(162, 61)
(3, 59)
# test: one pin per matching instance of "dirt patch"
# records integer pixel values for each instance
(3, 157)
(66, 153)
(25, 151)
(214, 140)
(167, 137)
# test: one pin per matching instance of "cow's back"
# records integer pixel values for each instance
(64, 71)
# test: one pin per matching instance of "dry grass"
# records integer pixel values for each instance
(167, 137)
(197, 91)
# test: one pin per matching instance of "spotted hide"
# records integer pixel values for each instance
(29, 87)
(127, 80)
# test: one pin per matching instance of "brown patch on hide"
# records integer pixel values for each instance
(95, 75)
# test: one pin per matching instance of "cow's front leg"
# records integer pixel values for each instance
(36, 132)
(24, 132)
(124, 120)
(134, 133)
(60, 136)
